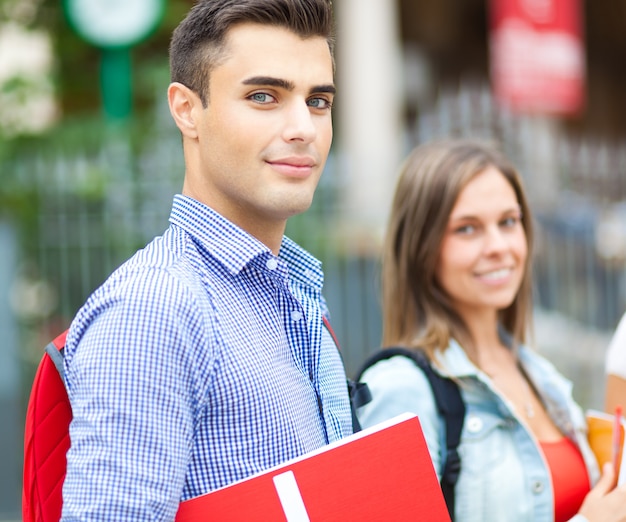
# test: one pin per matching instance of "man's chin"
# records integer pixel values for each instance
(296, 205)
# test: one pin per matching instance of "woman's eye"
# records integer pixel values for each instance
(465, 229)
(510, 221)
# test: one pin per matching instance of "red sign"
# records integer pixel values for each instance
(537, 55)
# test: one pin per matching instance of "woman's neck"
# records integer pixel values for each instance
(485, 346)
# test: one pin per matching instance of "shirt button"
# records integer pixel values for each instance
(296, 315)
(272, 263)
(474, 424)
(537, 487)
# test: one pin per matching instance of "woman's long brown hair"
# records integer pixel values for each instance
(416, 310)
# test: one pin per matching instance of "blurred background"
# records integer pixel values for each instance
(90, 160)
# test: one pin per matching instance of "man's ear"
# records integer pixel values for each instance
(183, 104)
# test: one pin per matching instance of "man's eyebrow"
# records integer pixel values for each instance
(330, 88)
(286, 84)
(271, 81)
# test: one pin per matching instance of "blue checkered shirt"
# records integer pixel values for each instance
(202, 360)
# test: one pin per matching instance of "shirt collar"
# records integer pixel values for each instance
(454, 362)
(303, 267)
(235, 248)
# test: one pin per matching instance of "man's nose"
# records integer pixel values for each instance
(299, 124)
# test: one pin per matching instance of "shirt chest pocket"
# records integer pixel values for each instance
(486, 439)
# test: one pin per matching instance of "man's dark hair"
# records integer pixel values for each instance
(198, 42)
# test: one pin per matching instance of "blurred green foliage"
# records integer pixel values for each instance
(81, 129)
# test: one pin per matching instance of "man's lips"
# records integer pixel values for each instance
(299, 166)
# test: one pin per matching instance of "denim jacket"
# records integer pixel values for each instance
(504, 475)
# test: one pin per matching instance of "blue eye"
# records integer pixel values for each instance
(510, 222)
(261, 97)
(320, 103)
(465, 229)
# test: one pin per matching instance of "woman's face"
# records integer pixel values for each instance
(484, 249)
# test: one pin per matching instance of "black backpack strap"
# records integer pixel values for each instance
(358, 392)
(450, 406)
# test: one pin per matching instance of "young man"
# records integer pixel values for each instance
(203, 359)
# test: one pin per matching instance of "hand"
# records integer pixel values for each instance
(605, 502)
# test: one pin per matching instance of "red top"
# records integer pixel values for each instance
(569, 477)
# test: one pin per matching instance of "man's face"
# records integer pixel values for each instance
(266, 132)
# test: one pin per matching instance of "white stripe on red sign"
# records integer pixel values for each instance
(290, 498)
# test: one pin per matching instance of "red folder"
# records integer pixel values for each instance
(383, 473)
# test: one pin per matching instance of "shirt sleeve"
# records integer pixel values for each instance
(131, 381)
(398, 386)
(616, 352)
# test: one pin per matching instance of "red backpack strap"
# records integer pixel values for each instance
(358, 392)
(59, 341)
(331, 331)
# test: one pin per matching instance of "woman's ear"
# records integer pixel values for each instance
(183, 102)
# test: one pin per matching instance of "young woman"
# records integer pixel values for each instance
(457, 284)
